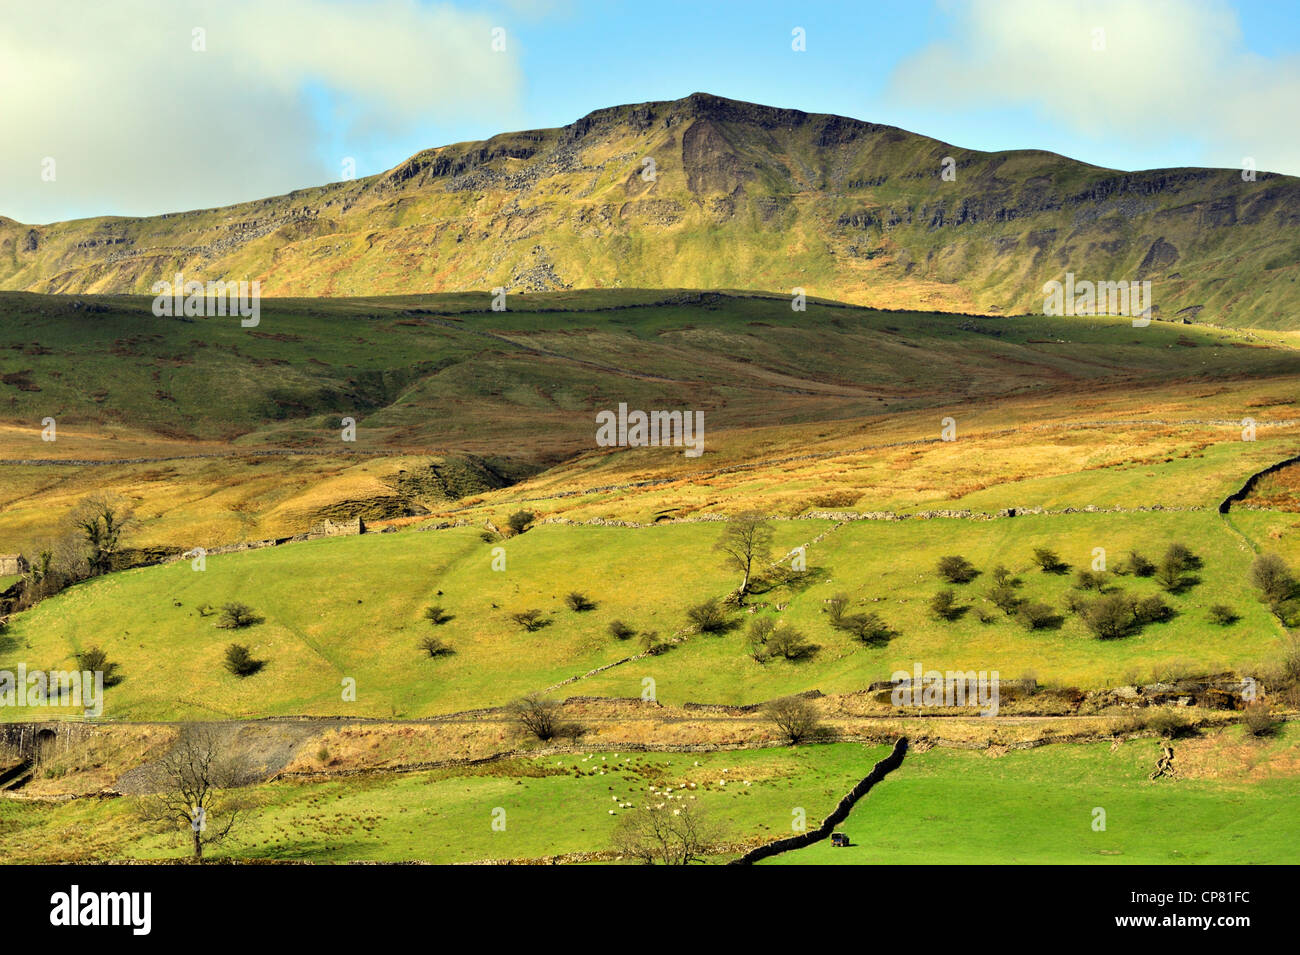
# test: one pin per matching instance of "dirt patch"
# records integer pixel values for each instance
(261, 750)
(1233, 756)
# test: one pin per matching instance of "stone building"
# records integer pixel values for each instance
(329, 528)
(13, 564)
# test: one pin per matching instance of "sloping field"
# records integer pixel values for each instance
(352, 608)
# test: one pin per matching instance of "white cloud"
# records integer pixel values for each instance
(137, 121)
(1169, 69)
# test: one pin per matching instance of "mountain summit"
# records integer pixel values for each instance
(706, 192)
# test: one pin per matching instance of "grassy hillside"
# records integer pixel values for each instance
(1036, 807)
(452, 400)
(742, 196)
(352, 608)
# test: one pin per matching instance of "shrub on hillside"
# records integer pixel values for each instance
(1174, 565)
(1258, 718)
(1181, 555)
(95, 660)
(1005, 598)
(1152, 609)
(436, 615)
(620, 631)
(435, 647)
(957, 569)
(789, 643)
(1049, 561)
(651, 644)
(1223, 615)
(866, 627)
(530, 620)
(837, 606)
(760, 629)
(1075, 602)
(579, 602)
(1097, 580)
(796, 719)
(1169, 575)
(1139, 566)
(542, 718)
(708, 617)
(519, 521)
(1169, 723)
(1002, 576)
(240, 662)
(944, 605)
(1270, 575)
(236, 616)
(1109, 616)
(1034, 615)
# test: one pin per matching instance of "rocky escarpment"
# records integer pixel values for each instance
(706, 192)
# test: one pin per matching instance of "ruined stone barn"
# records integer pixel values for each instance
(332, 528)
(12, 565)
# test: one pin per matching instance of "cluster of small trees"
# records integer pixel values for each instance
(1111, 613)
(89, 545)
(867, 628)
(769, 640)
(432, 644)
(649, 639)
(532, 620)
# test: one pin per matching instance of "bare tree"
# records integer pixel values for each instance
(664, 834)
(541, 717)
(796, 718)
(530, 620)
(58, 562)
(194, 778)
(746, 541)
(100, 521)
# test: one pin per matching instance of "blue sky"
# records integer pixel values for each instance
(584, 55)
(281, 94)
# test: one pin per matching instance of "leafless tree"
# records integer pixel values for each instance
(194, 779)
(542, 718)
(664, 834)
(100, 521)
(796, 718)
(746, 541)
